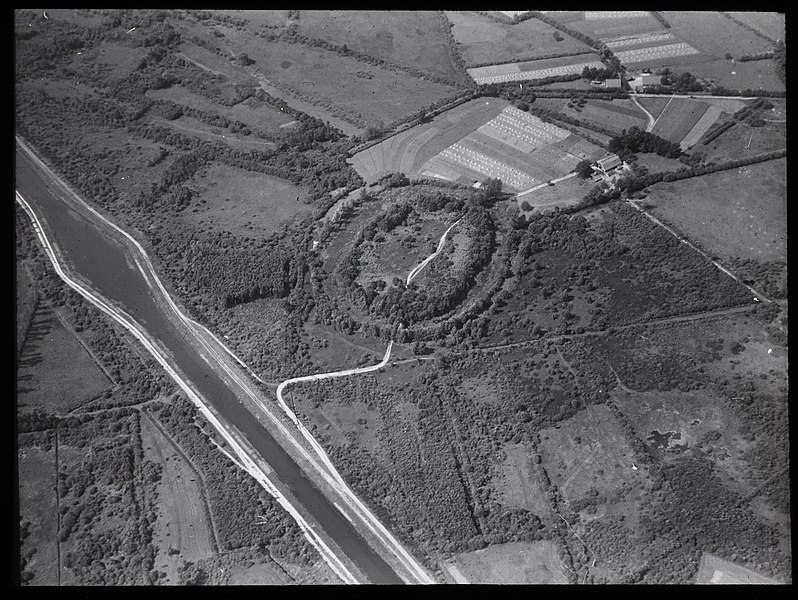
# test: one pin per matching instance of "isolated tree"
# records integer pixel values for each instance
(583, 169)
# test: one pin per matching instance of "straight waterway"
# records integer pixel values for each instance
(94, 255)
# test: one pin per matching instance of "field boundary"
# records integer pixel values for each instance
(200, 476)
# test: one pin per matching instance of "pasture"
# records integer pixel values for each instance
(409, 38)
(27, 299)
(604, 25)
(562, 193)
(513, 562)
(741, 213)
(182, 531)
(481, 39)
(242, 202)
(743, 140)
(516, 481)
(679, 117)
(38, 505)
(116, 60)
(701, 127)
(654, 104)
(252, 112)
(192, 127)
(590, 452)
(55, 371)
(755, 75)
(714, 34)
(214, 64)
(352, 89)
(770, 24)
(615, 115)
(535, 69)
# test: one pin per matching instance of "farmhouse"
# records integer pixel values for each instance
(613, 84)
(608, 163)
(644, 81)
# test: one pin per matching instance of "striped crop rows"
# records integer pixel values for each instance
(655, 53)
(476, 161)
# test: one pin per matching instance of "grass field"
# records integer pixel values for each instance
(742, 141)
(481, 39)
(679, 117)
(562, 193)
(514, 562)
(517, 484)
(192, 127)
(117, 60)
(770, 24)
(37, 506)
(534, 69)
(713, 34)
(244, 202)
(615, 115)
(215, 64)
(715, 570)
(740, 213)
(611, 26)
(701, 126)
(589, 452)
(362, 91)
(408, 38)
(182, 531)
(55, 371)
(26, 301)
(258, 115)
(757, 74)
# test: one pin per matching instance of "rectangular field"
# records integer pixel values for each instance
(481, 39)
(535, 69)
(515, 146)
(478, 139)
(770, 24)
(755, 74)
(651, 54)
(714, 34)
(701, 127)
(38, 506)
(258, 115)
(615, 115)
(411, 38)
(182, 531)
(363, 92)
(678, 118)
(56, 372)
(610, 24)
(736, 214)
